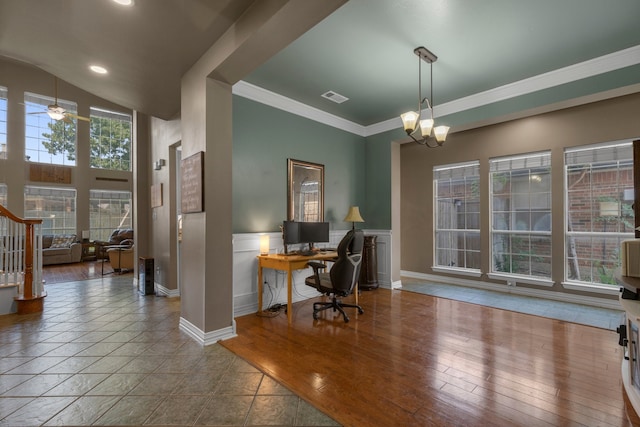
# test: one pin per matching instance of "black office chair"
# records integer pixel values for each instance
(341, 278)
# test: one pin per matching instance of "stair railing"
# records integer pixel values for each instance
(21, 260)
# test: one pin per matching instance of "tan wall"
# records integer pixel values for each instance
(611, 120)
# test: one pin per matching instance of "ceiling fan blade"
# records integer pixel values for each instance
(75, 116)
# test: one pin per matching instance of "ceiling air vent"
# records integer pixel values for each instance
(335, 97)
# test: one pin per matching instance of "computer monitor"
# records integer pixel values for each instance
(314, 232)
(290, 232)
(294, 232)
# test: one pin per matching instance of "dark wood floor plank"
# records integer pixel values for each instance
(414, 359)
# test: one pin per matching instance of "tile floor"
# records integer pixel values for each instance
(576, 313)
(101, 354)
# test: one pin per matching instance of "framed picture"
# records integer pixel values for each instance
(192, 183)
(305, 191)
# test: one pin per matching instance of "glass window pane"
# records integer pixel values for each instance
(108, 210)
(456, 214)
(56, 207)
(520, 189)
(48, 140)
(110, 140)
(599, 183)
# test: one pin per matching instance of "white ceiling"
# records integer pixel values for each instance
(528, 52)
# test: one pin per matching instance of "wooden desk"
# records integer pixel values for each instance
(288, 263)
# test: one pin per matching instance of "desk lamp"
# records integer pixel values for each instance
(353, 216)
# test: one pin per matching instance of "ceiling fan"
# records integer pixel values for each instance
(57, 112)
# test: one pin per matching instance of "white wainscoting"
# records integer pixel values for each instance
(246, 248)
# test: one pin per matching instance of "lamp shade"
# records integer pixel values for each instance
(426, 126)
(56, 113)
(353, 215)
(264, 244)
(409, 121)
(441, 133)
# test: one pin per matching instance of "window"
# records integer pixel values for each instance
(599, 213)
(3, 122)
(47, 140)
(110, 140)
(457, 216)
(520, 197)
(108, 210)
(56, 207)
(3, 195)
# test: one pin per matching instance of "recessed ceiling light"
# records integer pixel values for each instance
(98, 69)
(124, 2)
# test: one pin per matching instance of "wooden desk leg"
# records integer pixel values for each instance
(259, 287)
(356, 292)
(289, 293)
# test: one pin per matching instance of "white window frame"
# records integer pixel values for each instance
(445, 246)
(536, 168)
(604, 233)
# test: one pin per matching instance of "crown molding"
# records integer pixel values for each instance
(593, 67)
(272, 99)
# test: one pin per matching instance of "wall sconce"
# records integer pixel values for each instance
(264, 244)
(157, 165)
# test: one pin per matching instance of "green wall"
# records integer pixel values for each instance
(263, 139)
(378, 176)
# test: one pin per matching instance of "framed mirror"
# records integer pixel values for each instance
(305, 191)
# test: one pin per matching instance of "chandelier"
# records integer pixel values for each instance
(411, 120)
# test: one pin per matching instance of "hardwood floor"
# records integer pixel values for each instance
(61, 273)
(418, 360)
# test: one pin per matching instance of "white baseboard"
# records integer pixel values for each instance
(207, 338)
(161, 290)
(531, 292)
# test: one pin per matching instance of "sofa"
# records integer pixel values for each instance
(60, 249)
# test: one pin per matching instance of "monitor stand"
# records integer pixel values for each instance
(309, 251)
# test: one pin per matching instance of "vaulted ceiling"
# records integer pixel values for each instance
(529, 53)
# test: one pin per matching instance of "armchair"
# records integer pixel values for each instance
(120, 258)
(341, 278)
(119, 237)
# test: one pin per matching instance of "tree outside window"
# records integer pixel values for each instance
(110, 140)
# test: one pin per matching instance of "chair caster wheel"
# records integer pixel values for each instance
(315, 316)
(361, 311)
(346, 320)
